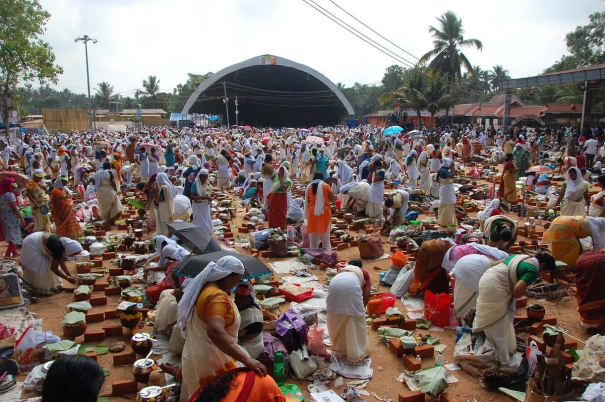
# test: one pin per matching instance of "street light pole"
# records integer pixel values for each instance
(226, 101)
(86, 39)
(236, 113)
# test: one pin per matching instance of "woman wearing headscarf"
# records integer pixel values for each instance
(43, 257)
(492, 209)
(169, 155)
(522, 160)
(305, 164)
(63, 212)
(268, 171)
(574, 194)
(278, 199)
(426, 181)
(394, 170)
(173, 256)
(500, 231)
(597, 201)
(201, 197)
(210, 322)
(11, 220)
(191, 173)
(164, 204)
(38, 199)
(106, 187)
(348, 295)
(318, 212)
(542, 184)
(295, 211)
(412, 166)
(223, 174)
(251, 329)
(447, 193)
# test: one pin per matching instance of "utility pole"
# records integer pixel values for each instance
(87, 39)
(236, 113)
(226, 101)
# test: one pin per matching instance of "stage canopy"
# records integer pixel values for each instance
(271, 92)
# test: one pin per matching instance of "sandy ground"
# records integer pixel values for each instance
(386, 366)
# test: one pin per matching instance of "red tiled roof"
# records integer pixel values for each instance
(519, 111)
(561, 108)
(483, 110)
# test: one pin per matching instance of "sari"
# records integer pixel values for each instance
(428, 272)
(110, 207)
(523, 162)
(574, 203)
(41, 222)
(563, 239)
(63, 214)
(590, 276)
(165, 209)
(247, 386)
(495, 302)
(346, 314)
(117, 162)
(278, 204)
(468, 272)
(507, 184)
(466, 149)
(597, 203)
(490, 225)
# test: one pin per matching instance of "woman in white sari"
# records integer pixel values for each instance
(165, 206)
(201, 197)
(106, 187)
(210, 323)
(574, 194)
(447, 194)
(394, 170)
(223, 175)
(412, 165)
(347, 296)
(499, 286)
(426, 181)
(468, 271)
(345, 175)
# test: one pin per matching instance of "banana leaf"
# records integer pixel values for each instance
(100, 350)
(393, 311)
(60, 346)
(123, 278)
(386, 333)
(554, 330)
(136, 202)
(85, 275)
(81, 305)
(430, 340)
(432, 380)
(84, 289)
(262, 289)
(132, 292)
(74, 317)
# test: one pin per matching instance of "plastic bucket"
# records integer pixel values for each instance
(338, 204)
(388, 300)
(396, 182)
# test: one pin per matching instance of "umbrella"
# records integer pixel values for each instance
(147, 146)
(392, 130)
(247, 128)
(313, 138)
(20, 179)
(193, 236)
(415, 132)
(193, 265)
(304, 130)
(539, 169)
(239, 155)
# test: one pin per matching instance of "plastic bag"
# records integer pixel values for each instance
(279, 247)
(399, 259)
(292, 329)
(301, 364)
(315, 337)
(28, 350)
(390, 276)
(292, 391)
(35, 380)
(402, 283)
(437, 308)
(432, 381)
(371, 249)
(532, 357)
(474, 358)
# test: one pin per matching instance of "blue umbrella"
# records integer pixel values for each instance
(392, 130)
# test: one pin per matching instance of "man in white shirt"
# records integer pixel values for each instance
(591, 146)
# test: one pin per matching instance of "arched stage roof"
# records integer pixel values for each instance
(271, 91)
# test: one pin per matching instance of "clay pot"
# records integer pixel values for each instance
(73, 331)
(535, 312)
(403, 243)
(138, 233)
(88, 281)
(550, 340)
(153, 394)
(129, 323)
(141, 343)
(82, 297)
(124, 283)
(141, 369)
(130, 221)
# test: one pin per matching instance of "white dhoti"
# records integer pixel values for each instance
(201, 216)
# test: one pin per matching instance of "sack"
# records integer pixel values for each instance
(402, 283)
(589, 367)
(279, 247)
(28, 351)
(292, 330)
(272, 345)
(315, 337)
(302, 365)
(390, 276)
(474, 357)
(437, 308)
(432, 381)
(371, 249)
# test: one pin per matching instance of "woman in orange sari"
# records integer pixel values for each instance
(278, 199)
(117, 162)
(239, 385)
(466, 149)
(506, 191)
(318, 212)
(62, 211)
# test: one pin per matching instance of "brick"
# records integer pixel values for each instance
(395, 347)
(113, 291)
(98, 271)
(521, 302)
(94, 317)
(83, 270)
(97, 263)
(124, 358)
(123, 227)
(228, 236)
(539, 342)
(109, 256)
(411, 363)
(242, 230)
(93, 335)
(522, 315)
(111, 314)
(570, 344)
(99, 233)
(394, 248)
(92, 355)
(567, 358)
(266, 253)
(569, 367)
(412, 396)
(425, 351)
(124, 387)
(536, 328)
(446, 397)
(98, 301)
(550, 320)
(113, 330)
(408, 325)
(378, 322)
(116, 271)
(354, 243)
(99, 287)
(342, 246)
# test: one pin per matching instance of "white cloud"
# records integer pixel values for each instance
(169, 39)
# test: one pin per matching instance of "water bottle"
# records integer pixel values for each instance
(130, 229)
(439, 360)
(279, 362)
(144, 228)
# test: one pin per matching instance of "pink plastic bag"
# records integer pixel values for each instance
(315, 338)
(437, 308)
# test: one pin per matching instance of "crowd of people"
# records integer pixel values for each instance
(62, 178)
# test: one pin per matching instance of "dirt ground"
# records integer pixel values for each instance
(386, 366)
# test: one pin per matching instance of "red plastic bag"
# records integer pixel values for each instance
(437, 308)
(315, 337)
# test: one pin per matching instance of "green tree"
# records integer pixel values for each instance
(182, 92)
(446, 55)
(151, 86)
(499, 74)
(104, 94)
(412, 93)
(24, 56)
(435, 95)
(393, 78)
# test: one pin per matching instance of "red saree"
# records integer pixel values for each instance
(278, 209)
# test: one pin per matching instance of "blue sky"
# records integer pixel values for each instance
(172, 38)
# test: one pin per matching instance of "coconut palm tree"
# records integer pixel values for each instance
(151, 86)
(446, 55)
(435, 96)
(412, 92)
(499, 74)
(104, 94)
